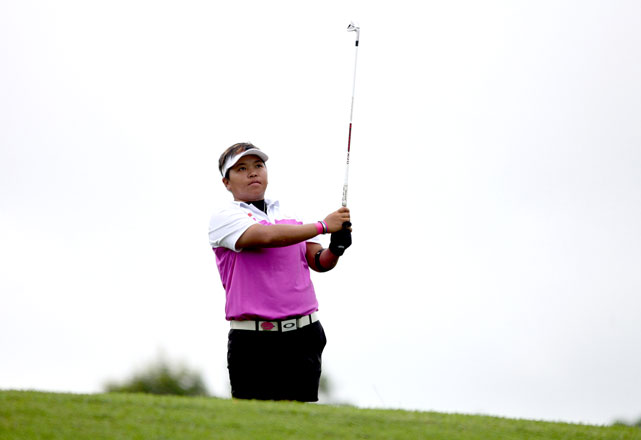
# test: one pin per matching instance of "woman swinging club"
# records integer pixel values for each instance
(263, 257)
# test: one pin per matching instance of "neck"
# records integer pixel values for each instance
(260, 204)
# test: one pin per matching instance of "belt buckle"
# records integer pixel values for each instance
(288, 325)
(267, 326)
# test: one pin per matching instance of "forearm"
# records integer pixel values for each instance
(327, 261)
(319, 259)
(266, 236)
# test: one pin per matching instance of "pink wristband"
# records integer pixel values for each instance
(319, 228)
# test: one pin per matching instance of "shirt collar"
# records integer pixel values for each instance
(270, 204)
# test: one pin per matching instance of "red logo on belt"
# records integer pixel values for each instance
(267, 325)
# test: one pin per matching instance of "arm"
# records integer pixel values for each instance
(264, 236)
(327, 259)
(323, 260)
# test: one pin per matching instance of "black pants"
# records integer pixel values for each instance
(276, 366)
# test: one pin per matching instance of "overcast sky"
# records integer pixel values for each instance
(495, 189)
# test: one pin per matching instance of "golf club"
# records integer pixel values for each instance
(353, 27)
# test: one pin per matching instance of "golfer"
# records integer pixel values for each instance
(263, 257)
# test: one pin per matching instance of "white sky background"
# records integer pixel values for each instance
(495, 189)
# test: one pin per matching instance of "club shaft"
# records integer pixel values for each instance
(351, 114)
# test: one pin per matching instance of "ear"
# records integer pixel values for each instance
(226, 183)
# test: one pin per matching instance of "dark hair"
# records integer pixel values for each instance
(232, 151)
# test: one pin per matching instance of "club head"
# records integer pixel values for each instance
(353, 27)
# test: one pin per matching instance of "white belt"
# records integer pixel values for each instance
(284, 325)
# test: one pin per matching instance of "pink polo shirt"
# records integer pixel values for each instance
(268, 283)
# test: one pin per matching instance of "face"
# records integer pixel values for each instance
(247, 179)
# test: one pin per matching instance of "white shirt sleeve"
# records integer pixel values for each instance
(227, 225)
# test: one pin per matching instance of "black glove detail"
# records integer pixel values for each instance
(341, 240)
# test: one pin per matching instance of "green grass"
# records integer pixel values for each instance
(28, 415)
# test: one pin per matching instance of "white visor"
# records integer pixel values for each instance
(230, 162)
